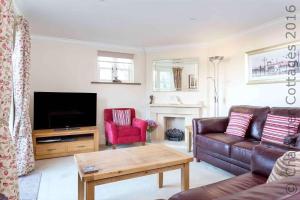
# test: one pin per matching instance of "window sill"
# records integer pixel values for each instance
(113, 83)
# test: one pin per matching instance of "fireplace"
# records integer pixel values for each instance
(173, 116)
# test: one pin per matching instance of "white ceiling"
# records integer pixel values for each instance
(145, 23)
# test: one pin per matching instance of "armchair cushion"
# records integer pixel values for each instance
(121, 117)
(124, 131)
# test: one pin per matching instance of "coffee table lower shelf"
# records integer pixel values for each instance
(86, 189)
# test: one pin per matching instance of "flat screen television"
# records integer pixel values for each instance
(58, 110)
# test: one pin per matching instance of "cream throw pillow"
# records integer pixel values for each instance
(285, 166)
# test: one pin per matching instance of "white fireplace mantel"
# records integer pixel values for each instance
(159, 113)
(177, 105)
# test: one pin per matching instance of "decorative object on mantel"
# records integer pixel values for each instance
(152, 125)
(178, 100)
(192, 81)
(151, 99)
(114, 83)
(215, 60)
(272, 64)
(175, 134)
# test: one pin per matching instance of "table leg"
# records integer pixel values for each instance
(188, 138)
(190, 141)
(90, 190)
(185, 177)
(160, 179)
(80, 188)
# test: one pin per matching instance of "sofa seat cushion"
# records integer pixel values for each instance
(242, 151)
(219, 143)
(222, 188)
(125, 131)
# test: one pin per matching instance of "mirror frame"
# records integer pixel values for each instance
(173, 61)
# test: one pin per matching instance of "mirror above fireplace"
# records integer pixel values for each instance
(175, 74)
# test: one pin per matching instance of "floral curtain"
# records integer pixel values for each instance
(8, 168)
(22, 126)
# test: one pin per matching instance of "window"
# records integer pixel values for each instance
(113, 66)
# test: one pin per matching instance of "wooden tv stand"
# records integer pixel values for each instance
(53, 143)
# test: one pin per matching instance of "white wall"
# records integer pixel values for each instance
(176, 52)
(59, 65)
(70, 66)
(233, 87)
(234, 90)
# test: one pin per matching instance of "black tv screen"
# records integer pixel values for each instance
(55, 110)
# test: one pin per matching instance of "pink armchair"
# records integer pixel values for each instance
(114, 134)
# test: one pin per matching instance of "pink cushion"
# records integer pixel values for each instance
(278, 127)
(121, 117)
(238, 124)
(125, 131)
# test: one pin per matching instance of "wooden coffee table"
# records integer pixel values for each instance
(126, 163)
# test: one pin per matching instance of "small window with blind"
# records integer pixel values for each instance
(115, 67)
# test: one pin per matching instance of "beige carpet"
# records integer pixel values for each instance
(59, 181)
(29, 186)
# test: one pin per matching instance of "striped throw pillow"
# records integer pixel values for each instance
(238, 124)
(285, 166)
(278, 127)
(122, 117)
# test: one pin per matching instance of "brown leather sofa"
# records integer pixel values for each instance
(233, 153)
(250, 186)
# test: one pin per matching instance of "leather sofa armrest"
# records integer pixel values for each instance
(265, 155)
(210, 125)
(291, 140)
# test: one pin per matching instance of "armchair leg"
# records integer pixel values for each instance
(143, 143)
(114, 146)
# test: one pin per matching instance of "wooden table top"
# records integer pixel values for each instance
(113, 163)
